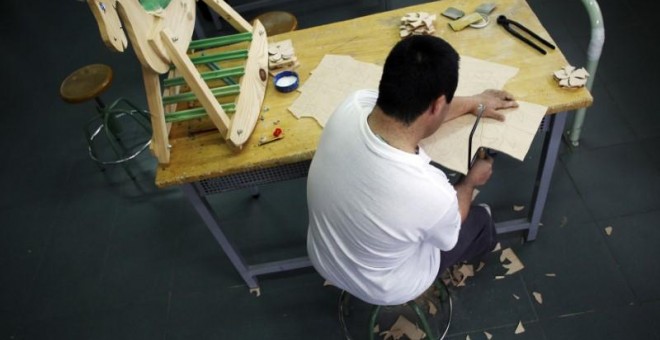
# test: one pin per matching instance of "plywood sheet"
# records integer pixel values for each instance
(330, 83)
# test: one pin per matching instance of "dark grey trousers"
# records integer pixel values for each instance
(476, 238)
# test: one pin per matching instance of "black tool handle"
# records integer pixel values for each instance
(504, 22)
(536, 36)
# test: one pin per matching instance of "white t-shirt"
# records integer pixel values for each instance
(378, 216)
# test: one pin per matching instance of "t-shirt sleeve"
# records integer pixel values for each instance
(444, 233)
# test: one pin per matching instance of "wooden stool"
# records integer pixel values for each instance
(434, 324)
(88, 83)
(278, 22)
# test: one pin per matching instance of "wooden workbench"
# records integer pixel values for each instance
(203, 164)
(203, 155)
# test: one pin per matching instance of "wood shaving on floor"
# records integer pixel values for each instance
(465, 271)
(488, 335)
(520, 328)
(433, 310)
(513, 264)
(608, 230)
(538, 297)
(401, 327)
(481, 266)
(518, 207)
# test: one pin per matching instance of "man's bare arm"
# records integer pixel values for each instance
(493, 100)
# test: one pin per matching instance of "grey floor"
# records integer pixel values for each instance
(86, 254)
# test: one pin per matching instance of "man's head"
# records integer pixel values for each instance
(418, 70)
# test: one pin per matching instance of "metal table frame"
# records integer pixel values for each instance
(552, 126)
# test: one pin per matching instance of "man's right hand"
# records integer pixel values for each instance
(480, 172)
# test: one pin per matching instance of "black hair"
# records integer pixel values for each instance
(418, 70)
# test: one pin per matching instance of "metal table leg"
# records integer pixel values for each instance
(549, 155)
(197, 192)
(210, 219)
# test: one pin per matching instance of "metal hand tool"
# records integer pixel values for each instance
(480, 112)
(505, 22)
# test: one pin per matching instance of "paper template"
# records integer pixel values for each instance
(449, 144)
(331, 82)
(337, 76)
(476, 76)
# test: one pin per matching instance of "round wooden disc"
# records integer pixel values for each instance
(86, 83)
(277, 22)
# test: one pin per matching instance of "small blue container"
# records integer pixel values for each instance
(286, 81)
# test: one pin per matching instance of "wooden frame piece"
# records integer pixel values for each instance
(253, 88)
(196, 83)
(230, 15)
(105, 13)
(161, 37)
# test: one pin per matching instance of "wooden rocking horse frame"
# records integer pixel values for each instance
(161, 34)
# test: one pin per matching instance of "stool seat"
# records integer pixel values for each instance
(278, 22)
(86, 83)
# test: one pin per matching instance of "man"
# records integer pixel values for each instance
(382, 220)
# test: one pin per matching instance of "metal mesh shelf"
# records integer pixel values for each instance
(254, 178)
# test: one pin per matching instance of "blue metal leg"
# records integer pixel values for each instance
(196, 196)
(549, 155)
(208, 216)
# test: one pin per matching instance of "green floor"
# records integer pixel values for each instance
(86, 254)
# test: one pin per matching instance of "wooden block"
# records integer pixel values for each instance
(561, 74)
(577, 82)
(580, 73)
(465, 21)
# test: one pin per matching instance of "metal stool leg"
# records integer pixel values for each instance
(422, 318)
(372, 321)
(110, 127)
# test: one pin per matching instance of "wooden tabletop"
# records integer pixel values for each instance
(202, 155)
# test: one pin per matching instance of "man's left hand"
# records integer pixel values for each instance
(495, 100)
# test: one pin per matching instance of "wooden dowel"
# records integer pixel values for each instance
(220, 41)
(189, 96)
(215, 57)
(197, 112)
(215, 67)
(210, 75)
